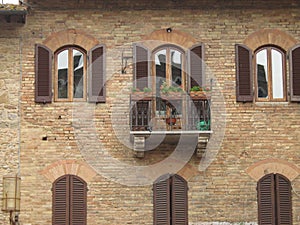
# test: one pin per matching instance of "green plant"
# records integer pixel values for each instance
(166, 89)
(203, 125)
(198, 88)
(147, 90)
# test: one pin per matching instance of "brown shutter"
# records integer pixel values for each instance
(179, 201)
(196, 66)
(284, 201)
(266, 200)
(294, 58)
(43, 74)
(141, 66)
(244, 76)
(96, 78)
(60, 215)
(161, 201)
(78, 198)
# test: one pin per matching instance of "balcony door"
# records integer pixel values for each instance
(168, 63)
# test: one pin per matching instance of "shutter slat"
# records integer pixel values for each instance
(60, 202)
(161, 201)
(179, 201)
(196, 65)
(43, 74)
(244, 76)
(284, 202)
(78, 201)
(96, 78)
(295, 73)
(266, 200)
(141, 66)
(69, 201)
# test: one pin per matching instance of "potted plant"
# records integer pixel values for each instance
(203, 125)
(197, 92)
(170, 92)
(145, 94)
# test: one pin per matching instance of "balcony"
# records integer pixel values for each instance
(171, 116)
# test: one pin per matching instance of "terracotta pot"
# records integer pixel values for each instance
(171, 121)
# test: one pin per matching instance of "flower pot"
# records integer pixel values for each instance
(141, 96)
(171, 121)
(200, 95)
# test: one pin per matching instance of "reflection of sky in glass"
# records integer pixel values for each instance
(160, 57)
(76, 54)
(63, 60)
(277, 78)
(15, 2)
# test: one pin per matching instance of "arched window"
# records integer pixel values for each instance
(168, 69)
(270, 74)
(70, 74)
(274, 200)
(170, 200)
(69, 203)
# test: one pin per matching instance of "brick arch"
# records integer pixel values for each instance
(160, 37)
(73, 167)
(70, 37)
(261, 168)
(270, 36)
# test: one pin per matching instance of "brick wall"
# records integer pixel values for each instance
(223, 192)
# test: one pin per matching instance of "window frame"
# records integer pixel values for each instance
(270, 98)
(274, 200)
(168, 77)
(68, 193)
(70, 97)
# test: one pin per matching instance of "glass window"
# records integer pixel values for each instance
(70, 74)
(270, 75)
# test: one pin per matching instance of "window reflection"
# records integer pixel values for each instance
(262, 73)
(176, 62)
(78, 74)
(160, 71)
(277, 74)
(63, 62)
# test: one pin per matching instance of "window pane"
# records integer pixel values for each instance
(78, 74)
(277, 76)
(160, 71)
(63, 74)
(176, 65)
(262, 73)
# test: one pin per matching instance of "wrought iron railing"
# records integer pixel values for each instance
(146, 114)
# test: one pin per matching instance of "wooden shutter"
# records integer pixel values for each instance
(69, 201)
(78, 200)
(161, 201)
(266, 200)
(283, 200)
(96, 76)
(179, 201)
(141, 66)
(43, 74)
(60, 202)
(294, 58)
(244, 76)
(196, 66)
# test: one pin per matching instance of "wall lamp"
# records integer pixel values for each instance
(169, 30)
(11, 197)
